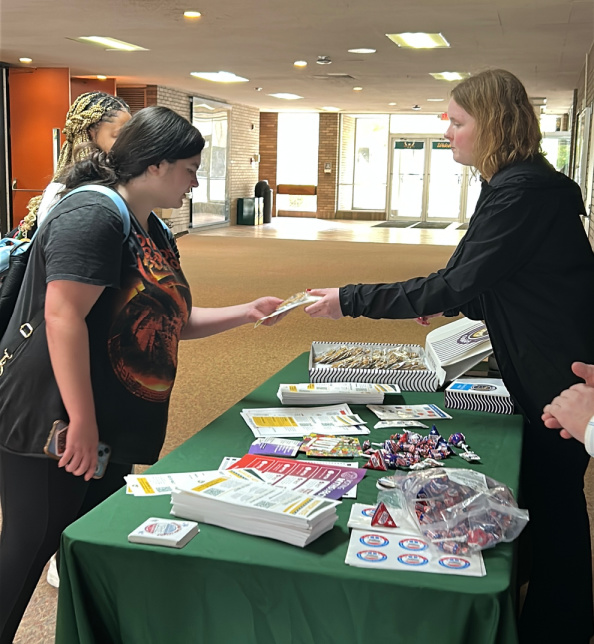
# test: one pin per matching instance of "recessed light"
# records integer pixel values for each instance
(435, 100)
(419, 40)
(450, 76)
(287, 96)
(362, 50)
(110, 44)
(329, 108)
(25, 60)
(357, 89)
(392, 103)
(219, 77)
(192, 14)
(101, 77)
(300, 63)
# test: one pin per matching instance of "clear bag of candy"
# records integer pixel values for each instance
(460, 510)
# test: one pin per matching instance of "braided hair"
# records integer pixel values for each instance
(87, 111)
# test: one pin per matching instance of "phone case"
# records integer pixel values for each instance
(56, 444)
(56, 441)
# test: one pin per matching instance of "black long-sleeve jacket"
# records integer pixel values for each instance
(526, 267)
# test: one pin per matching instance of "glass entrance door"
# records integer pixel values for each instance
(407, 179)
(445, 179)
(426, 184)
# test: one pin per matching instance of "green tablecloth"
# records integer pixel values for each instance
(227, 587)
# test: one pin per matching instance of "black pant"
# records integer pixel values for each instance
(39, 500)
(558, 606)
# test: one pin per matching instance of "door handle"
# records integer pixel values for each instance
(14, 188)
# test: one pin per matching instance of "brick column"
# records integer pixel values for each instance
(328, 153)
(268, 151)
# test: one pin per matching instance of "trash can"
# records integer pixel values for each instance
(246, 211)
(265, 191)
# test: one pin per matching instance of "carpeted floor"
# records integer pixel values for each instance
(216, 372)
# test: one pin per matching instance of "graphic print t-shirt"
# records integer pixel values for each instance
(134, 327)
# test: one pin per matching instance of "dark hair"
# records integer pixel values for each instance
(507, 128)
(151, 136)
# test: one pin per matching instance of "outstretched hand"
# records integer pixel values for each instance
(264, 306)
(327, 307)
(573, 408)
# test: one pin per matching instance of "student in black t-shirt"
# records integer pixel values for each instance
(525, 266)
(104, 358)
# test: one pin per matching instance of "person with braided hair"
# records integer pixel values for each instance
(93, 117)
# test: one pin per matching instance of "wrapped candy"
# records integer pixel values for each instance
(461, 510)
(459, 440)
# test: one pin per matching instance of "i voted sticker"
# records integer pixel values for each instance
(372, 556)
(374, 540)
(409, 559)
(456, 563)
(413, 544)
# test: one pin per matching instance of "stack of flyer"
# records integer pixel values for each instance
(292, 422)
(256, 508)
(330, 393)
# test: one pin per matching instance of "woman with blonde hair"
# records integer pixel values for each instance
(93, 117)
(525, 267)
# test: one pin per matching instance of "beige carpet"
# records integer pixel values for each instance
(216, 372)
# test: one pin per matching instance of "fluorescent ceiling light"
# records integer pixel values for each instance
(101, 77)
(435, 100)
(450, 76)
(362, 50)
(25, 60)
(329, 108)
(300, 63)
(192, 14)
(392, 103)
(286, 96)
(111, 44)
(357, 89)
(219, 77)
(419, 40)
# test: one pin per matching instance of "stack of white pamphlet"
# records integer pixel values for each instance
(256, 508)
(292, 422)
(164, 532)
(330, 393)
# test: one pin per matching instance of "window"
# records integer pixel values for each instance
(297, 158)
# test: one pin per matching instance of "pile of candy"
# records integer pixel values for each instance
(463, 511)
(414, 451)
(345, 357)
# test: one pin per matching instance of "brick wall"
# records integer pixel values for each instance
(268, 151)
(244, 135)
(328, 153)
(244, 130)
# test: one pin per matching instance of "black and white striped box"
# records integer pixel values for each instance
(450, 351)
(406, 379)
(480, 394)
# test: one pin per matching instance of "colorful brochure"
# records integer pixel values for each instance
(308, 477)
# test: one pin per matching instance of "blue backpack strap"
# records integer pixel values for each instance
(114, 196)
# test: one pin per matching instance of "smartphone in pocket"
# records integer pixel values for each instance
(56, 445)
